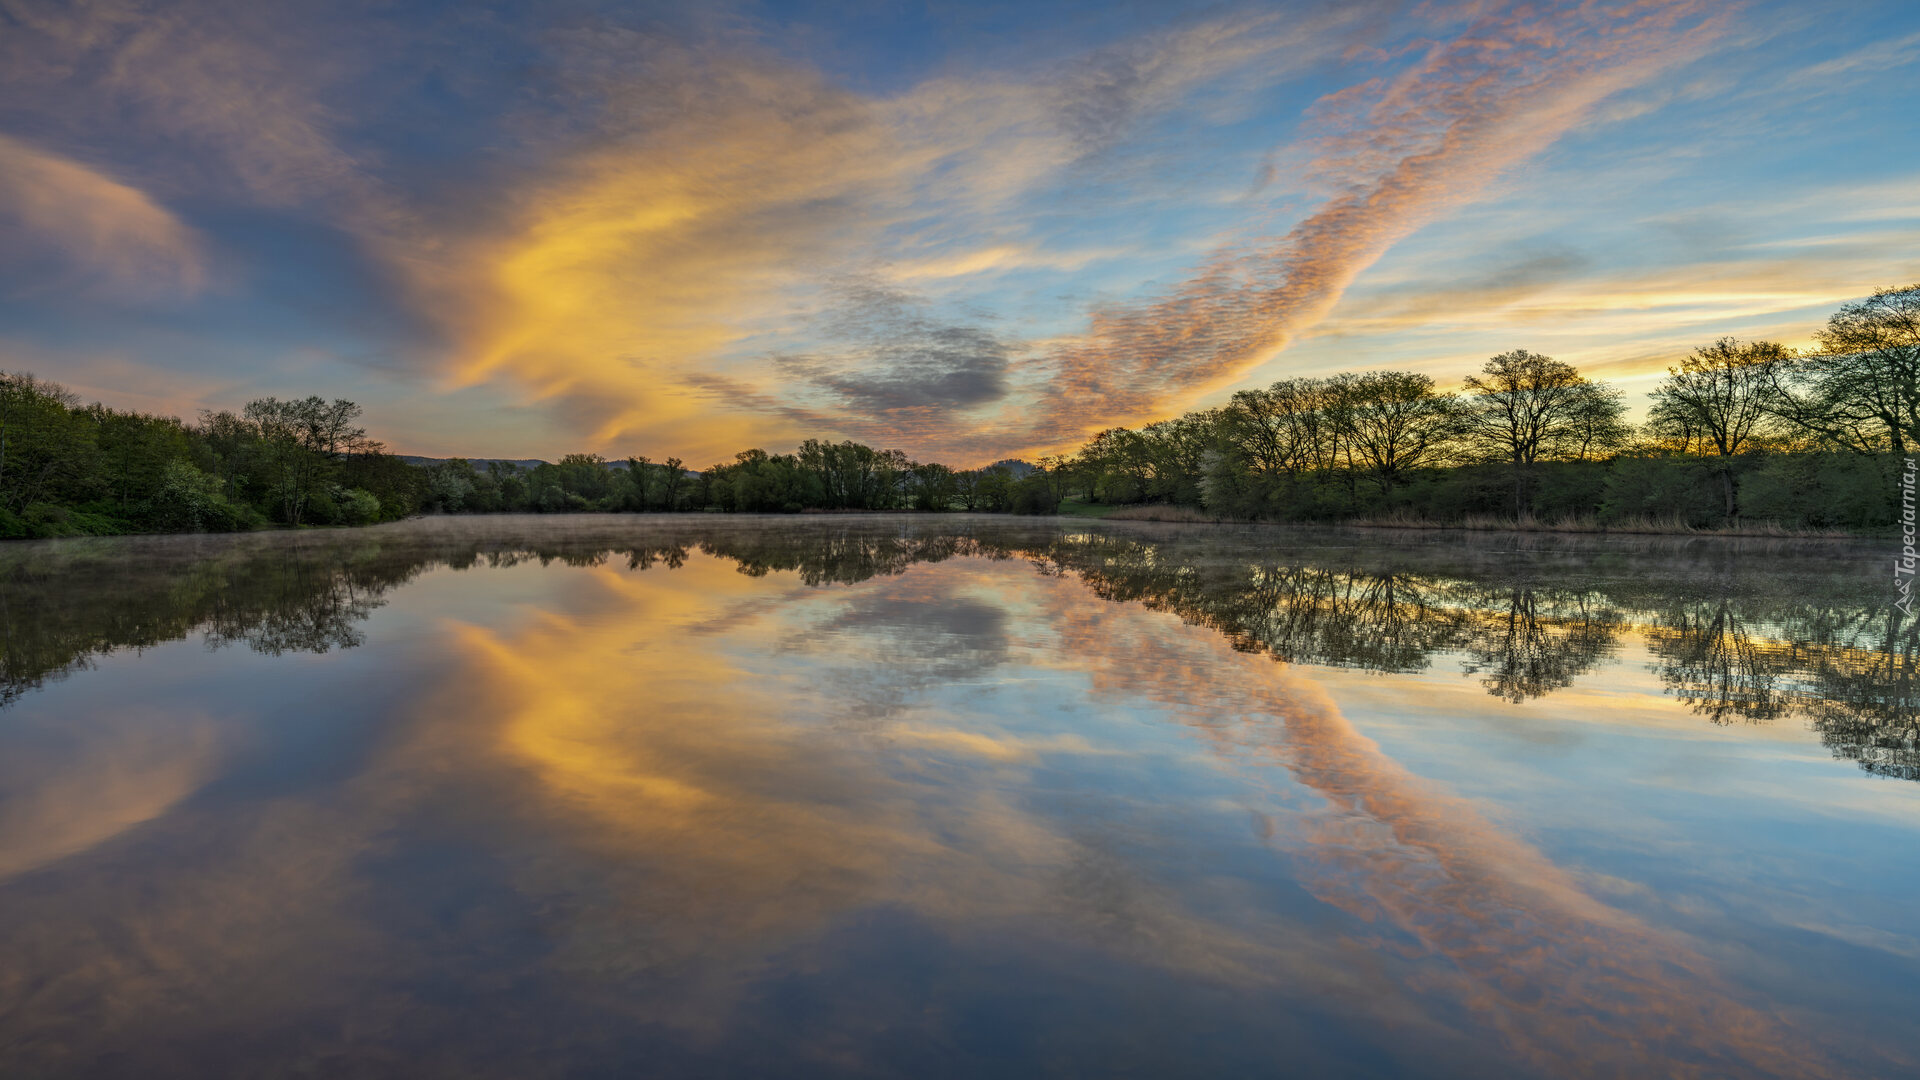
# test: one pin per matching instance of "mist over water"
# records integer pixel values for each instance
(943, 795)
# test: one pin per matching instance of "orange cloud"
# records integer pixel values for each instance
(1411, 149)
(642, 277)
(634, 261)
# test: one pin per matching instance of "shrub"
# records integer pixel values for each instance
(359, 507)
(1670, 489)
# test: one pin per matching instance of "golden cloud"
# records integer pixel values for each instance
(635, 276)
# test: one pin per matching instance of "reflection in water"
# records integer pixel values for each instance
(679, 801)
(63, 603)
(1562, 977)
(1843, 662)
(68, 790)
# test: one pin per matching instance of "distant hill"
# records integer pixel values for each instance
(521, 463)
(478, 462)
(1019, 469)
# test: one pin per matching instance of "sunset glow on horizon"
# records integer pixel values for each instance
(969, 232)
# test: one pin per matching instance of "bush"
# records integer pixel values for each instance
(42, 520)
(1034, 495)
(1828, 490)
(189, 500)
(1666, 489)
(359, 507)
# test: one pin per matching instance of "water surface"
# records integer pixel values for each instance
(953, 797)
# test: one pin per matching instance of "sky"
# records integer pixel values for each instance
(967, 230)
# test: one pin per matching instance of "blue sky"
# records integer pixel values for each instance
(966, 230)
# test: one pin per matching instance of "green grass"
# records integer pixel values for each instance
(1081, 509)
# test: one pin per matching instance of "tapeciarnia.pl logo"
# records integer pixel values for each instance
(1903, 566)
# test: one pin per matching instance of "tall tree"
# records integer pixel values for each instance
(1524, 407)
(637, 468)
(1393, 422)
(291, 469)
(44, 448)
(1284, 428)
(674, 479)
(1861, 390)
(1724, 396)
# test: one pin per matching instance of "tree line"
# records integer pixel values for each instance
(1738, 432)
(72, 469)
(818, 476)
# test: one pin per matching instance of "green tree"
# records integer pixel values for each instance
(673, 479)
(930, 486)
(1524, 407)
(45, 450)
(1393, 422)
(300, 443)
(1861, 390)
(637, 468)
(1722, 397)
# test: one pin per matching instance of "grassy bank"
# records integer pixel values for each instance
(1643, 525)
(1639, 525)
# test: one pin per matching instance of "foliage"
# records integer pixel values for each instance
(1738, 431)
(70, 470)
(1861, 390)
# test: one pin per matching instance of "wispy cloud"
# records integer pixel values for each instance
(223, 96)
(93, 231)
(1870, 61)
(1393, 154)
(649, 235)
(713, 196)
(1401, 153)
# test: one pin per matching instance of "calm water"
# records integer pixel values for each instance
(527, 797)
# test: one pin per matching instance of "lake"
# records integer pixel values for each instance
(954, 796)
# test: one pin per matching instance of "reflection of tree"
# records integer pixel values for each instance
(1526, 643)
(1843, 669)
(64, 603)
(61, 604)
(1808, 649)
(1381, 622)
(1709, 658)
(1528, 640)
(316, 611)
(1732, 635)
(1864, 701)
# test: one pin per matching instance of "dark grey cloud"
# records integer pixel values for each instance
(896, 355)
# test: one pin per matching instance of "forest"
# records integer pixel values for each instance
(1739, 433)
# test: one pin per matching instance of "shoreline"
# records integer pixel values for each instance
(1579, 526)
(1134, 513)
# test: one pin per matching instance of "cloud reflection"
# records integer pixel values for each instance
(638, 792)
